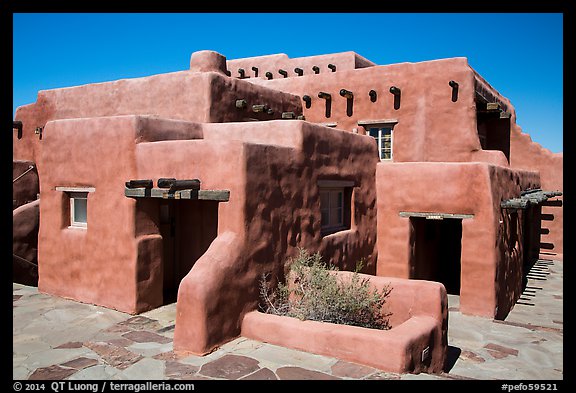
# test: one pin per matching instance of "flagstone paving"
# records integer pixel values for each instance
(57, 339)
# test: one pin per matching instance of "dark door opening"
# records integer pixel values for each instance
(188, 227)
(436, 247)
(493, 131)
(168, 232)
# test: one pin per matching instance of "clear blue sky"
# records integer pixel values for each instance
(520, 55)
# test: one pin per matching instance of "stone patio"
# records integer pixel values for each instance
(58, 339)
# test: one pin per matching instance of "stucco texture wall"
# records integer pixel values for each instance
(96, 264)
(529, 155)
(466, 188)
(430, 125)
(184, 95)
(271, 212)
(117, 260)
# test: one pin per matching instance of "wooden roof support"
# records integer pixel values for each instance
(516, 203)
(529, 197)
(493, 106)
(260, 108)
(17, 125)
(346, 93)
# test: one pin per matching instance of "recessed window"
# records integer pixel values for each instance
(79, 209)
(331, 207)
(77, 206)
(384, 141)
(335, 205)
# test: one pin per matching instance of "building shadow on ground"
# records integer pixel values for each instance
(452, 355)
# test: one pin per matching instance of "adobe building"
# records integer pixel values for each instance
(190, 185)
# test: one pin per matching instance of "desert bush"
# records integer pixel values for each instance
(313, 292)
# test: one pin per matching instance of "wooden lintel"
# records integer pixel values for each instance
(336, 183)
(206, 195)
(435, 215)
(492, 106)
(375, 122)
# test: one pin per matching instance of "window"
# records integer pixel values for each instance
(79, 209)
(78, 205)
(331, 207)
(384, 141)
(335, 205)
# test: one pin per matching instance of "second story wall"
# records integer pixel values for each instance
(529, 155)
(272, 66)
(431, 121)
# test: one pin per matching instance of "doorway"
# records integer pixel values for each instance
(187, 227)
(493, 130)
(436, 248)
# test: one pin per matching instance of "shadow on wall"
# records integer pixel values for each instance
(25, 225)
(512, 247)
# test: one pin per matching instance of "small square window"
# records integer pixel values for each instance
(79, 209)
(77, 206)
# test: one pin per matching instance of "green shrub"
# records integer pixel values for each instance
(315, 294)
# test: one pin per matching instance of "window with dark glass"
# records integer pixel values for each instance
(335, 205)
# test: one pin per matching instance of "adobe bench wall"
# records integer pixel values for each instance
(419, 320)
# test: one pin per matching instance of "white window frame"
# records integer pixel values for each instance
(379, 139)
(380, 125)
(75, 194)
(75, 197)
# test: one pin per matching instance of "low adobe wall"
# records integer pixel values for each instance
(417, 341)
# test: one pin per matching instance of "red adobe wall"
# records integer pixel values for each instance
(272, 63)
(457, 188)
(96, 265)
(154, 95)
(431, 127)
(117, 261)
(419, 320)
(203, 94)
(529, 155)
(99, 264)
(281, 213)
